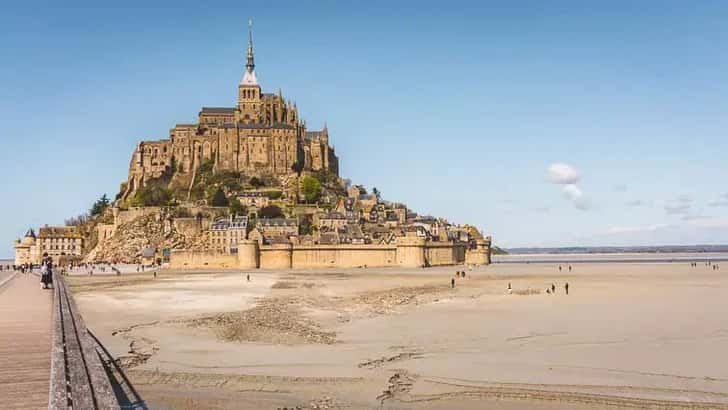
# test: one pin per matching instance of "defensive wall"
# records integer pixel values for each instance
(407, 252)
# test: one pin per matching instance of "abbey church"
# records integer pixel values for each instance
(262, 135)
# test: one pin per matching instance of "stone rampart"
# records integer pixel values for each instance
(443, 253)
(184, 259)
(343, 256)
(408, 252)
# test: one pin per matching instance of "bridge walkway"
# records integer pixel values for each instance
(25, 343)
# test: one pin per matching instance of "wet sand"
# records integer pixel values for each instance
(627, 335)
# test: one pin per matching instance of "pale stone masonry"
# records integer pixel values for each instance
(262, 135)
(58, 242)
(406, 252)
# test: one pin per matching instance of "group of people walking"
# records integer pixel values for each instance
(708, 264)
(458, 274)
(552, 289)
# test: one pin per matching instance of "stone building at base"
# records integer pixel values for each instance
(61, 243)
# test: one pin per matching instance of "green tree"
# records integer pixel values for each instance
(274, 194)
(306, 227)
(270, 211)
(237, 208)
(99, 206)
(311, 189)
(376, 193)
(172, 168)
(297, 167)
(152, 195)
(219, 199)
(256, 182)
(206, 166)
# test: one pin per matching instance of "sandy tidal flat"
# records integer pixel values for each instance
(627, 335)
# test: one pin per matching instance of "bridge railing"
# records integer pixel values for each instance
(79, 379)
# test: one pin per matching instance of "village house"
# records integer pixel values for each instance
(225, 233)
(273, 227)
(331, 221)
(59, 241)
(347, 206)
(351, 234)
(254, 199)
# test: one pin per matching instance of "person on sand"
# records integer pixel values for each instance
(553, 288)
(569, 268)
(559, 268)
(566, 287)
(452, 283)
(463, 273)
(248, 277)
(510, 290)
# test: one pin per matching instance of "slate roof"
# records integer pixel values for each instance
(333, 215)
(251, 194)
(58, 231)
(277, 222)
(314, 134)
(258, 126)
(218, 110)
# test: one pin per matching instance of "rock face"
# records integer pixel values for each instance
(156, 231)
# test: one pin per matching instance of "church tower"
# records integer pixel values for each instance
(249, 93)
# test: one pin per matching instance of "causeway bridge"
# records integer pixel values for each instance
(48, 358)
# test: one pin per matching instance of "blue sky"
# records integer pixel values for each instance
(459, 109)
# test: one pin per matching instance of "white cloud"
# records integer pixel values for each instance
(635, 229)
(567, 176)
(636, 202)
(574, 194)
(695, 217)
(620, 188)
(678, 206)
(563, 174)
(723, 201)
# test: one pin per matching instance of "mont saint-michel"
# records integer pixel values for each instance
(250, 186)
(364, 205)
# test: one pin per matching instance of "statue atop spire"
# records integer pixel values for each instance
(249, 77)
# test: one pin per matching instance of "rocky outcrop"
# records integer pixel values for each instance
(156, 230)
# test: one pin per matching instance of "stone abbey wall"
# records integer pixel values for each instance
(125, 216)
(408, 252)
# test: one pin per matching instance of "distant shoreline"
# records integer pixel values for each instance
(633, 257)
(603, 250)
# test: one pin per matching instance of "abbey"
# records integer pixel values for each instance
(262, 135)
